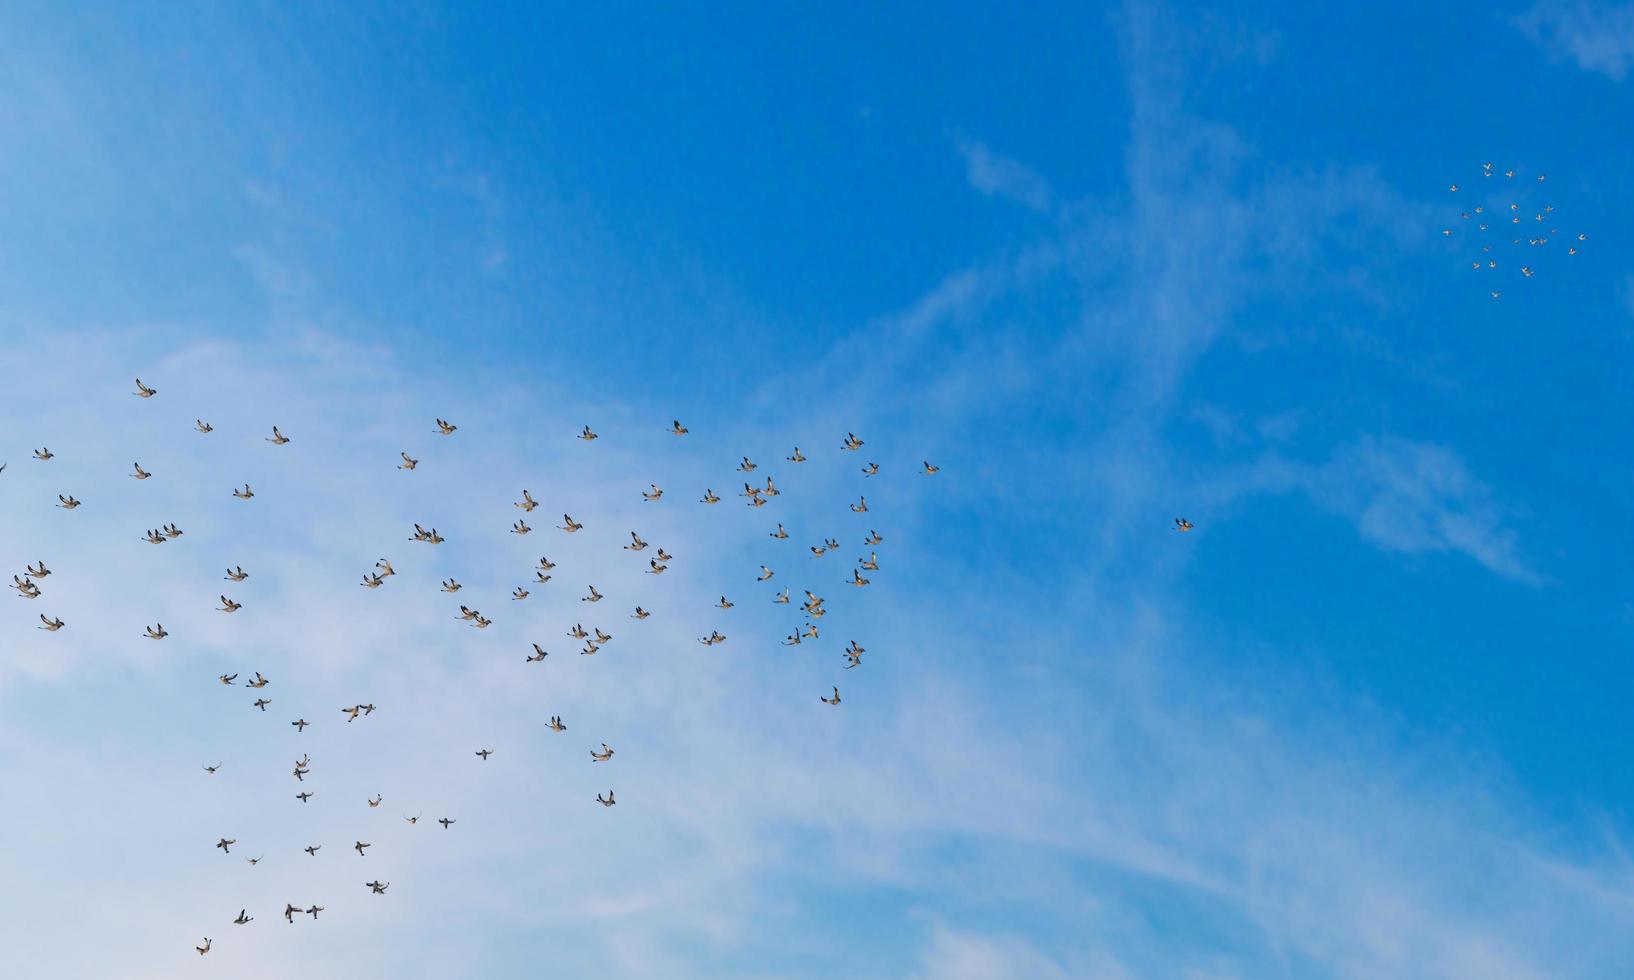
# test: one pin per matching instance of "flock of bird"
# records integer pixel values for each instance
(1513, 216)
(755, 494)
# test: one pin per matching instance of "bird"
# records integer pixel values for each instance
(771, 489)
(143, 391)
(484, 754)
(852, 442)
(359, 846)
(555, 724)
(372, 580)
(445, 428)
(451, 586)
(724, 603)
(709, 497)
(519, 593)
(375, 801)
(43, 454)
(569, 525)
(602, 756)
(172, 531)
(869, 564)
(351, 713)
(527, 503)
(447, 822)
(765, 574)
(653, 494)
(872, 469)
(408, 463)
(290, 910)
(377, 887)
(797, 457)
(587, 435)
(780, 534)
(712, 639)
(303, 796)
(636, 544)
(520, 527)
(212, 768)
(300, 725)
(640, 613)
(835, 699)
(541, 577)
(203, 426)
(262, 703)
(38, 570)
(227, 678)
(245, 493)
(654, 568)
(929, 469)
(746, 466)
(594, 596)
(68, 502)
(539, 654)
(577, 632)
(158, 632)
(25, 587)
(226, 844)
(255, 860)
(819, 551)
(140, 473)
(206, 947)
(385, 567)
(873, 538)
(413, 820)
(236, 574)
(277, 438)
(609, 801)
(545, 564)
(313, 849)
(314, 910)
(782, 597)
(154, 537)
(1181, 524)
(602, 637)
(677, 428)
(51, 625)
(229, 606)
(259, 681)
(857, 579)
(861, 506)
(1454, 188)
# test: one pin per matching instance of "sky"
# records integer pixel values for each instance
(1105, 265)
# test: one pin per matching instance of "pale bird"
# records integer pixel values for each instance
(852, 442)
(244, 494)
(451, 586)
(797, 457)
(587, 435)
(236, 574)
(833, 700)
(140, 473)
(158, 632)
(67, 503)
(50, 625)
(653, 494)
(527, 503)
(570, 524)
(677, 428)
(278, 438)
(520, 527)
(143, 391)
(709, 497)
(602, 756)
(203, 426)
(408, 463)
(43, 453)
(636, 544)
(445, 428)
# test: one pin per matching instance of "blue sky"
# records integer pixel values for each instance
(1105, 265)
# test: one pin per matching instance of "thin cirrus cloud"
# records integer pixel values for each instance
(1596, 37)
(997, 175)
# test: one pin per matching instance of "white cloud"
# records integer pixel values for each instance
(999, 176)
(1598, 37)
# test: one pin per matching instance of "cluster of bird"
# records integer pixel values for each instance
(1492, 223)
(813, 605)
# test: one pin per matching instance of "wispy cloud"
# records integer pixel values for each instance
(1000, 176)
(1597, 36)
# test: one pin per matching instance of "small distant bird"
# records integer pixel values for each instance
(227, 678)
(67, 503)
(277, 438)
(236, 574)
(372, 580)
(408, 463)
(602, 756)
(302, 796)
(313, 850)
(931, 469)
(780, 534)
(359, 846)
(765, 574)
(539, 654)
(541, 577)
(1453, 188)
(527, 503)
(852, 442)
(873, 538)
(654, 568)
(609, 801)
(262, 703)
(258, 683)
(140, 473)
(212, 768)
(451, 586)
(413, 820)
(314, 910)
(351, 713)
(289, 912)
(640, 613)
(861, 506)
(872, 469)
(376, 887)
(569, 525)
(724, 603)
(1181, 524)
(519, 593)
(484, 754)
(664, 555)
(782, 597)
(203, 426)
(587, 435)
(51, 625)
(556, 725)
(746, 466)
(520, 527)
(545, 564)
(447, 822)
(375, 801)
(444, 428)
(245, 493)
(653, 494)
(300, 725)
(143, 391)
(798, 457)
(206, 947)
(158, 632)
(712, 639)
(677, 428)
(636, 544)
(229, 606)
(594, 596)
(385, 567)
(709, 497)
(226, 844)
(833, 700)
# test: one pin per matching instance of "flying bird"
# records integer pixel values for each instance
(143, 391)
(245, 493)
(140, 473)
(833, 700)
(277, 438)
(444, 428)
(203, 426)
(67, 503)
(527, 503)
(408, 463)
